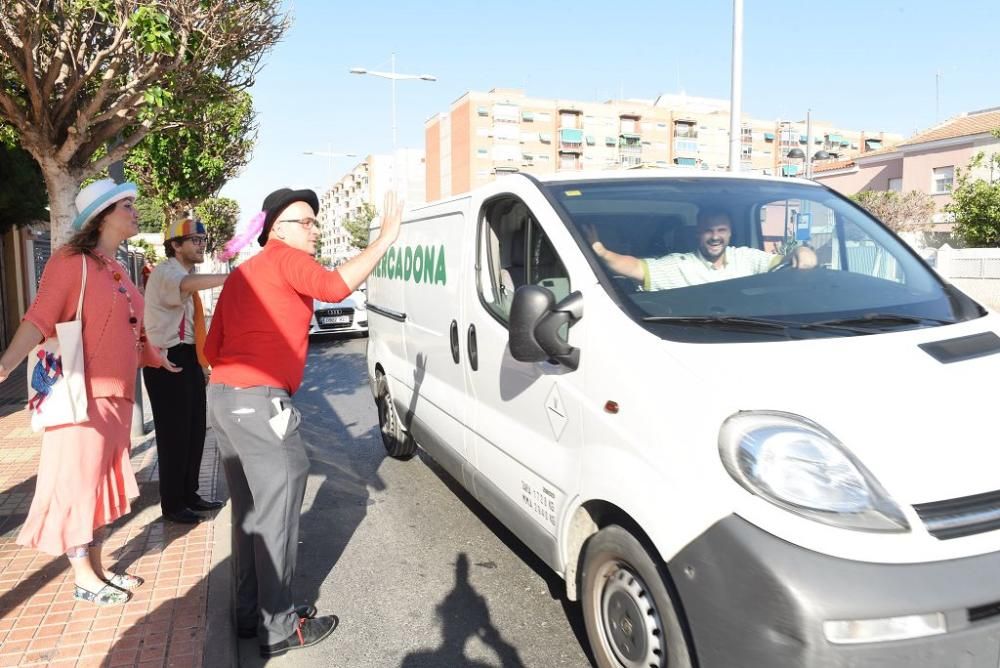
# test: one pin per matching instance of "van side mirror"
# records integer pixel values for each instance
(535, 321)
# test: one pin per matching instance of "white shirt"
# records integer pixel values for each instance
(167, 306)
(678, 270)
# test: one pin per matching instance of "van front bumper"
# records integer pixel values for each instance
(756, 601)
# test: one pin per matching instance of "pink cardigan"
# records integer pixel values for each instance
(109, 350)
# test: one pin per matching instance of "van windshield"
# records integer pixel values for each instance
(733, 259)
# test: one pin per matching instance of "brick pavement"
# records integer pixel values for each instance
(165, 622)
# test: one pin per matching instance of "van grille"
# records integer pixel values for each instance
(982, 612)
(964, 516)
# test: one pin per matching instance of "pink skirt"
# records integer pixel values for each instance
(85, 479)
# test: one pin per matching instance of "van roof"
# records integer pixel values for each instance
(657, 172)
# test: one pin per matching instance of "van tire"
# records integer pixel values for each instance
(398, 443)
(629, 614)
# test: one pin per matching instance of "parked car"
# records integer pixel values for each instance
(349, 316)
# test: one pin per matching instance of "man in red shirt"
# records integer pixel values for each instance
(257, 347)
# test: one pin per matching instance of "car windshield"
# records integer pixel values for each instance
(728, 259)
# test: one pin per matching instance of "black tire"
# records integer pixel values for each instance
(629, 614)
(398, 443)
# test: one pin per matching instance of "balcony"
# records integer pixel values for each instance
(685, 131)
(571, 140)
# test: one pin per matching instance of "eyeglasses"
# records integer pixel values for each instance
(305, 222)
(197, 241)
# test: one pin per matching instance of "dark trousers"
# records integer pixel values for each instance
(178, 401)
(266, 468)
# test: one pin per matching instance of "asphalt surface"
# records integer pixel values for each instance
(420, 575)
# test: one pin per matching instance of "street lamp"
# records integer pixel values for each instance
(393, 76)
(330, 154)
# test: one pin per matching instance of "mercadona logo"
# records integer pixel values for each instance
(420, 264)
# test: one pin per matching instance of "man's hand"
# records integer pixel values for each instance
(803, 257)
(392, 217)
(167, 364)
(590, 232)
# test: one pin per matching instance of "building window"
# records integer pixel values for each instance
(545, 137)
(685, 146)
(610, 141)
(483, 111)
(482, 151)
(685, 129)
(568, 161)
(896, 185)
(569, 119)
(942, 180)
(510, 113)
(590, 140)
(527, 116)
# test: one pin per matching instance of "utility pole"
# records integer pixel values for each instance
(736, 94)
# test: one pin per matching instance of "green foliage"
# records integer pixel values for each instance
(147, 249)
(357, 225)
(152, 31)
(23, 198)
(219, 215)
(975, 203)
(152, 213)
(189, 163)
(910, 211)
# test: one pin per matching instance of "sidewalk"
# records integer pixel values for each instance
(184, 601)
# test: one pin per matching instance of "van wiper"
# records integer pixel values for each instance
(884, 320)
(753, 323)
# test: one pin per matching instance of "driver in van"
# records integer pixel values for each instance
(713, 260)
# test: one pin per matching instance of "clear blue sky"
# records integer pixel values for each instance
(865, 64)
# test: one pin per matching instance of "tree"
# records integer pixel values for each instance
(147, 248)
(185, 165)
(909, 212)
(975, 203)
(357, 225)
(22, 190)
(219, 215)
(152, 213)
(82, 82)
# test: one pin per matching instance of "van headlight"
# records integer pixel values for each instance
(796, 464)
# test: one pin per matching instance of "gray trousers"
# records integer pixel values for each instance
(266, 472)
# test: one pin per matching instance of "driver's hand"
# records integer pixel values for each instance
(803, 257)
(590, 232)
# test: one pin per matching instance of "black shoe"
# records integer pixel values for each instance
(309, 632)
(183, 516)
(307, 611)
(205, 506)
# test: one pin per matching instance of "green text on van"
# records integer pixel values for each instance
(420, 264)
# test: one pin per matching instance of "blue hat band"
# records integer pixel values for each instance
(98, 204)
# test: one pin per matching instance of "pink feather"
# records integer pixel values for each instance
(238, 242)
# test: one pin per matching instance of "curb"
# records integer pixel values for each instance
(221, 648)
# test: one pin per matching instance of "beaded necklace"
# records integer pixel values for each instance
(120, 287)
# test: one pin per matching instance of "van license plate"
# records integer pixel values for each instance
(335, 320)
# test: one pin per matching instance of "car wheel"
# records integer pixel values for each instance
(629, 614)
(398, 443)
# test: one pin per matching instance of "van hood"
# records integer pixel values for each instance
(927, 430)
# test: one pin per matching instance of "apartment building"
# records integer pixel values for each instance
(484, 135)
(926, 162)
(366, 183)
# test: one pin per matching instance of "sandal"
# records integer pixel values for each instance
(107, 595)
(125, 581)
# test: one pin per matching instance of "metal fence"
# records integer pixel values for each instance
(975, 271)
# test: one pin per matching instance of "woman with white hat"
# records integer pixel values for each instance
(85, 480)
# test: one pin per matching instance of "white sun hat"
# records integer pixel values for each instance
(98, 196)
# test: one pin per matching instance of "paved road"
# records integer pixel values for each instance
(419, 574)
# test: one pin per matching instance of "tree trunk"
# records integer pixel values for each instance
(62, 187)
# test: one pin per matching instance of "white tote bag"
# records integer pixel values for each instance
(56, 383)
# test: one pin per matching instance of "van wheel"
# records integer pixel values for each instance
(628, 612)
(398, 443)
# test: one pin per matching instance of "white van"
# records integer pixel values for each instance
(792, 467)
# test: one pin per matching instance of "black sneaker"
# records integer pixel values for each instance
(308, 633)
(307, 611)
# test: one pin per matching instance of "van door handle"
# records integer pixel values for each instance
(473, 351)
(454, 340)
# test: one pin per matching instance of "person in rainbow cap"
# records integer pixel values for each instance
(175, 322)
